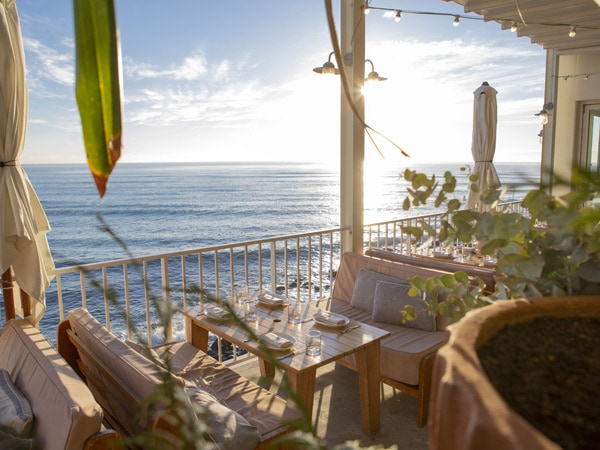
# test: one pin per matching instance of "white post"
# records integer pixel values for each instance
(352, 141)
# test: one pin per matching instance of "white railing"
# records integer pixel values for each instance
(392, 235)
(130, 291)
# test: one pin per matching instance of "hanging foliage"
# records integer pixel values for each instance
(97, 88)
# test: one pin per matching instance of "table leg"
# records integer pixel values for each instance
(303, 383)
(196, 335)
(368, 362)
(266, 369)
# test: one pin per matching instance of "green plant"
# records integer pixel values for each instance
(552, 250)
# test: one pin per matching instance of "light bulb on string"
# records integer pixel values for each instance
(398, 16)
(572, 31)
(456, 21)
(366, 9)
(513, 27)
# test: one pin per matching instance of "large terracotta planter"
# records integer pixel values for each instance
(466, 410)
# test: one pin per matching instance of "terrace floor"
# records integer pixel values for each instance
(336, 411)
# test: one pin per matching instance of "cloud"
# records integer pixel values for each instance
(48, 64)
(191, 68)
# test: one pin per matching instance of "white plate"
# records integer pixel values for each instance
(279, 349)
(332, 325)
(212, 315)
(442, 255)
(269, 304)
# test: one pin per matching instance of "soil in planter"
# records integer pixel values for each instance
(548, 371)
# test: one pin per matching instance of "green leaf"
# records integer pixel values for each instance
(97, 87)
(409, 313)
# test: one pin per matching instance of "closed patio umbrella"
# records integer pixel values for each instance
(25, 259)
(483, 145)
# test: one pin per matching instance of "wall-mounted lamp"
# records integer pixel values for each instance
(544, 114)
(328, 68)
(373, 76)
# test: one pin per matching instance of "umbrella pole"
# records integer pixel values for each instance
(7, 291)
(25, 303)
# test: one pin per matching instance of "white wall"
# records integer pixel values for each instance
(562, 133)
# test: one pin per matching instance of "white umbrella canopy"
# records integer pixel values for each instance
(483, 146)
(23, 223)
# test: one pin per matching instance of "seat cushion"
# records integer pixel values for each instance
(16, 417)
(390, 301)
(401, 351)
(65, 411)
(228, 429)
(261, 408)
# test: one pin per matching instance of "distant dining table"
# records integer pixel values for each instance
(339, 338)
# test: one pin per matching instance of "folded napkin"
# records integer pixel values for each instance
(217, 312)
(275, 341)
(270, 299)
(330, 318)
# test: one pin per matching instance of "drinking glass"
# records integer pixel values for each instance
(250, 311)
(295, 312)
(313, 343)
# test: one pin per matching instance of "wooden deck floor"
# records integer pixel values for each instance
(336, 411)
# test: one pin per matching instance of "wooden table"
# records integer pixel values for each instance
(301, 369)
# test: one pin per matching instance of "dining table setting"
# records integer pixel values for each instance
(296, 336)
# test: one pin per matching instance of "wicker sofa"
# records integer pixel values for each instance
(407, 354)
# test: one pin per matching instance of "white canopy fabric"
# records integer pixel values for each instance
(23, 223)
(483, 145)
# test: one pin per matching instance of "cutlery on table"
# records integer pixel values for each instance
(344, 331)
(292, 353)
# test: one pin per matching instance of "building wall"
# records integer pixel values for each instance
(568, 88)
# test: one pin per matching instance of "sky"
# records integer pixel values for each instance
(232, 80)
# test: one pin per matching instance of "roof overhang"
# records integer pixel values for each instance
(544, 22)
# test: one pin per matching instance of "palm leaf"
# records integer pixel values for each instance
(97, 88)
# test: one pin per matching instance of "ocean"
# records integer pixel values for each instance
(158, 208)
(162, 208)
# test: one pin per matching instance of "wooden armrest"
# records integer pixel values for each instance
(105, 439)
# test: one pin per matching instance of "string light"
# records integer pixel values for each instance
(396, 13)
(572, 31)
(585, 75)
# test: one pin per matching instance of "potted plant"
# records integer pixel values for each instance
(515, 370)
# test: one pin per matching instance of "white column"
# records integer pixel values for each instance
(352, 141)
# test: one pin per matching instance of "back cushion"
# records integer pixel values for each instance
(390, 300)
(15, 413)
(64, 410)
(364, 288)
(137, 372)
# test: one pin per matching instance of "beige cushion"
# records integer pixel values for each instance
(138, 373)
(351, 263)
(391, 299)
(16, 417)
(145, 351)
(364, 288)
(65, 412)
(261, 408)
(228, 429)
(401, 351)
